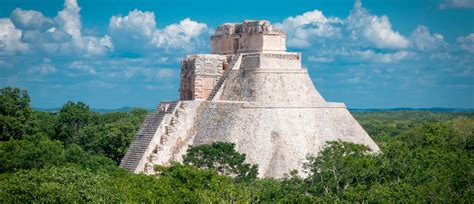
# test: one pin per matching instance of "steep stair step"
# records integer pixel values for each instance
(144, 136)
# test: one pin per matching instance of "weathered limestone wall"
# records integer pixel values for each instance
(199, 74)
(172, 138)
(225, 45)
(179, 133)
(250, 36)
(284, 61)
(275, 43)
(274, 136)
(250, 43)
(270, 86)
(262, 43)
(144, 164)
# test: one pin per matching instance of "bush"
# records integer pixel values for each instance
(66, 184)
(35, 152)
(222, 157)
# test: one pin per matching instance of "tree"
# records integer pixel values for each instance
(34, 152)
(71, 118)
(74, 154)
(465, 128)
(111, 135)
(38, 151)
(339, 166)
(65, 184)
(43, 123)
(222, 157)
(190, 184)
(15, 112)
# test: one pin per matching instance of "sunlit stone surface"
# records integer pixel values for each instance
(250, 92)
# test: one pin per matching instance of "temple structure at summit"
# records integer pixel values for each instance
(251, 92)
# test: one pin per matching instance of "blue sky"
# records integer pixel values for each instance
(111, 54)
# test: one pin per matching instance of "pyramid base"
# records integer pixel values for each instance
(278, 137)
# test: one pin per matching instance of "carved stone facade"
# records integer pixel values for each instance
(250, 92)
(249, 36)
(199, 75)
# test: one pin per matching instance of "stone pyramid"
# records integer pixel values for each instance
(250, 92)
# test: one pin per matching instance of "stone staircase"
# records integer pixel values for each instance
(234, 64)
(165, 147)
(145, 134)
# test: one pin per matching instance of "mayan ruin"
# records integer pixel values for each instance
(251, 92)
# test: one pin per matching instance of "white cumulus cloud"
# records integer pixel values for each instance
(134, 31)
(372, 56)
(137, 32)
(69, 19)
(359, 37)
(466, 42)
(30, 19)
(61, 35)
(303, 28)
(185, 35)
(10, 38)
(423, 40)
(374, 29)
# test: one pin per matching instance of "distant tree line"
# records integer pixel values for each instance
(72, 156)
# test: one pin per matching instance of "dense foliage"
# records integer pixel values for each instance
(222, 157)
(72, 156)
(15, 113)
